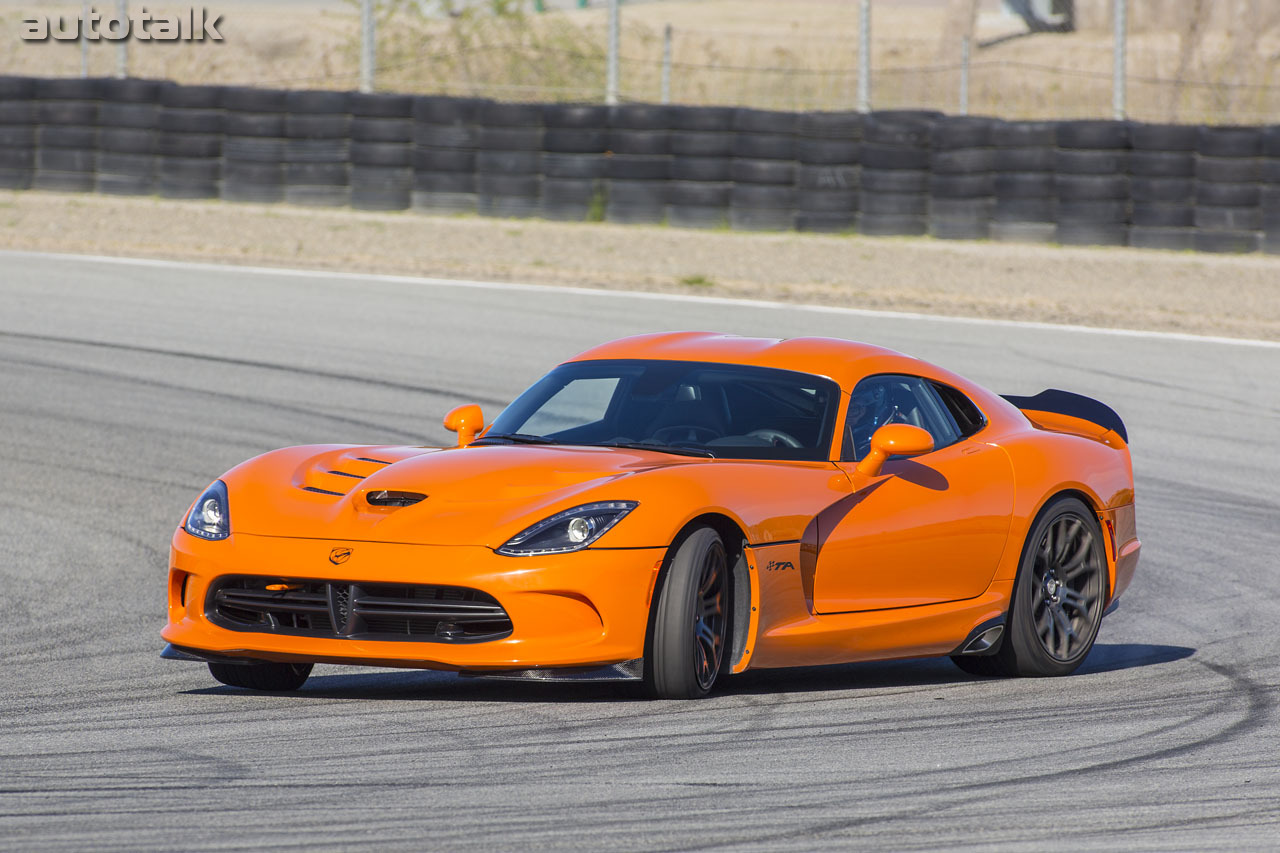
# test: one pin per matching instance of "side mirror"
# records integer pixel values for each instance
(894, 440)
(467, 421)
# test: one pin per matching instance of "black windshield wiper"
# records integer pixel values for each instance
(660, 448)
(515, 438)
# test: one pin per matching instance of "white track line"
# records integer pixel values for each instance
(286, 272)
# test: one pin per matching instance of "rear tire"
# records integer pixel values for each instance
(1058, 597)
(262, 676)
(687, 649)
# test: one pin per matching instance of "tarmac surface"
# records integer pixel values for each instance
(126, 388)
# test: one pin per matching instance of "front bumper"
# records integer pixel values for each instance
(583, 609)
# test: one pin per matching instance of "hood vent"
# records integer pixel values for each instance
(382, 497)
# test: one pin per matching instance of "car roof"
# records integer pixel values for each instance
(843, 361)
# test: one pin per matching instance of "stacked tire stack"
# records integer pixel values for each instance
(763, 197)
(318, 151)
(1162, 167)
(1271, 189)
(701, 167)
(1091, 182)
(827, 172)
(639, 163)
(960, 185)
(67, 138)
(191, 132)
(509, 159)
(1228, 190)
(574, 162)
(253, 150)
(128, 136)
(18, 122)
(894, 187)
(381, 151)
(446, 133)
(1022, 181)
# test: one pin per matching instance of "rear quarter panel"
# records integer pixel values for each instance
(1048, 463)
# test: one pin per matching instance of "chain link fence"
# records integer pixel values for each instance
(1192, 61)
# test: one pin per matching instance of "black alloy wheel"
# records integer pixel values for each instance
(1058, 597)
(687, 645)
(1066, 588)
(708, 618)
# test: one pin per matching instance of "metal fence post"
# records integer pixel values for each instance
(84, 41)
(964, 76)
(368, 46)
(864, 57)
(122, 46)
(611, 79)
(666, 64)
(1118, 81)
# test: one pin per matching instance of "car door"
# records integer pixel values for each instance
(925, 530)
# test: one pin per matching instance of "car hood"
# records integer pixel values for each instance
(473, 495)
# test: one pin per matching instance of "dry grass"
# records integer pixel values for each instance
(1189, 60)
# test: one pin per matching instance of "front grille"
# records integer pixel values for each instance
(358, 611)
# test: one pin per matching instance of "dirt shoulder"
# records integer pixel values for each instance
(1120, 288)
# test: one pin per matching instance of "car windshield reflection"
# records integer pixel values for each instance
(691, 408)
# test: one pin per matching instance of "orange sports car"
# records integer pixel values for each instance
(676, 508)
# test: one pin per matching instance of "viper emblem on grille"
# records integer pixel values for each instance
(338, 556)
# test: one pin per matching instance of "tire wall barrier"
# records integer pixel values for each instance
(903, 172)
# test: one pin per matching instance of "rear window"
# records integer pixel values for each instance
(969, 419)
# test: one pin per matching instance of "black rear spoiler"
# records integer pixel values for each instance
(1075, 406)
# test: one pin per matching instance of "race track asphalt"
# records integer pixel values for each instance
(126, 388)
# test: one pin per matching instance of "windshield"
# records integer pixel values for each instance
(723, 410)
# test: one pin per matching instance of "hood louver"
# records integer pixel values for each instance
(384, 497)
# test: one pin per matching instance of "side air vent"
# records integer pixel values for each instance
(386, 498)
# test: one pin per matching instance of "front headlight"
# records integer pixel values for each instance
(209, 518)
(570, 530)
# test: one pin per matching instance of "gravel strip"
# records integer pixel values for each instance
(1236, 296)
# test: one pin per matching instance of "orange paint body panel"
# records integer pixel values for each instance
(837, 564)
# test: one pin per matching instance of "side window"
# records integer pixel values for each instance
(969, 419)
(892, 399)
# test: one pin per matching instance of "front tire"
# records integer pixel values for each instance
(687, 649)
(275, 677)
(1058, 597)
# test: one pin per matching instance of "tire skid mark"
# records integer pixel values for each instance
(244, 362)
(1248, 406)
(126, 474)
(271, 404)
